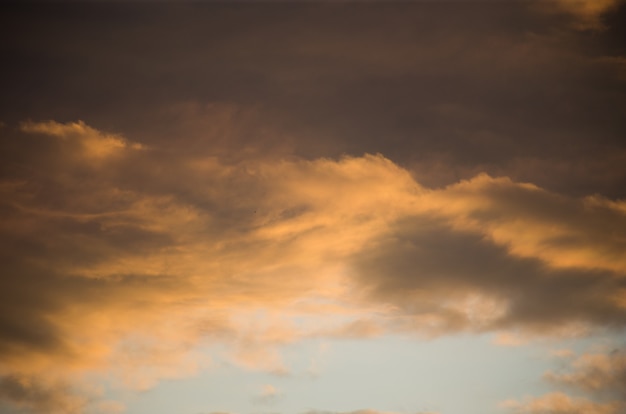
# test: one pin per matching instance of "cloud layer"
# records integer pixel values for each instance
(118, 256)
(192, 183)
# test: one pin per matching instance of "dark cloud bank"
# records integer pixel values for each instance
(448, 88)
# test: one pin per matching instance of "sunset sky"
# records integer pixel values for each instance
(313, 207)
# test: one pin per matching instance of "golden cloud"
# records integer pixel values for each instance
(125, 260)
(600, 375)
(595, 372)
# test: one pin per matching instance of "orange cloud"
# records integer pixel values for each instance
(91, 143)
(600, 376)
(126, 261)
(559, 403)
(53, 396)
(534, 223)
(595, 372)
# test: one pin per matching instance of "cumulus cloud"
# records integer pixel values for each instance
(29, 393)
(124, 260)
(489, 253)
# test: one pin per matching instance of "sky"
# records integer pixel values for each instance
(313, 207)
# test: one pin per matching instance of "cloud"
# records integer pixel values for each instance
(91, 143)
(559, 403)
(41, 395)
(563, 232)
(600, 376)
(120, 268)
(267, 395)
(587, 12)
(127, 260)
(528, 103)
(531, 103)
(29, 393)
(595, 373)
(217, 192)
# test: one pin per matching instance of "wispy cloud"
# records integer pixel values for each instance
(603, 373)
(267, 395)
(598, 375)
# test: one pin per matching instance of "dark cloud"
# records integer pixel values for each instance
(27, 393)
(614, 32)
(429, 270)
(499, 87)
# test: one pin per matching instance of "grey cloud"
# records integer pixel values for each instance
(27, 393)
(427, 268)
(519, 87)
